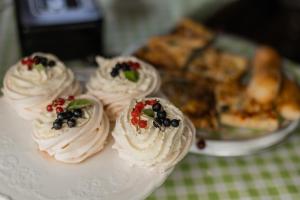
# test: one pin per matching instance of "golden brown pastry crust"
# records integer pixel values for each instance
(288, 103)
(265, 81)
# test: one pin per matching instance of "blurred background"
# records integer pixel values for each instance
(121, 24)
(76, 30)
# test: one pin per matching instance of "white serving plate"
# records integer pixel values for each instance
(28, 174)
(238, 146)
(244, 146)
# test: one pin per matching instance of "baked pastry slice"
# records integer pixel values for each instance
(236, 109)
(288, 100)
(218, 65)
(170, 51)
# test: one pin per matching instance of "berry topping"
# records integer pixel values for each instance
(151, 102)
(57, 124)
(114, 72)
(201, 143)
(135, 113)
(118, 66)
(129, 69)
(167, 122)
(126, 67)
(60, 101)
(68, 115)
(70, 98)
(135, 65)
(156, 107)
(43, 61)
(51, 63)
(37, 60)
(77, 113)
(142, 123)
(151, 109)
(139, 106)
(159, 121)
(24, 61)
(61, 116)
(161, 114)
(59, 109)
(49, 108)
(29, 67)
(134, 120)
(175, 122)
(71, 123)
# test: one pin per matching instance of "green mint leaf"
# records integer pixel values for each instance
(149, 112)
(39, 67)
(132, 75)
(79, 103)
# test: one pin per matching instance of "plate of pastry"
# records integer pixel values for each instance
(241, 97)
(104, 139)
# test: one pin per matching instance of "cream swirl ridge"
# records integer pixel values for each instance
(73, 145)
(153, 147)
(29, 91)
(117, 92)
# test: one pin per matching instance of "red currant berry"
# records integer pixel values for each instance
(24, 61)
(29, 67)
(59, 109)
(151, 102)
(135, 65)
(134, 120)
(135, 113)
(30, 61)
(70, 98)
(142, 123)
(49, 108)
(139, 106)
(60, 101)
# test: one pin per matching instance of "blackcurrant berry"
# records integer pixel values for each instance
(156, 107)
(158, 121)
(125, 67)
(51, 63)
(118, 66)
(114, 72)
(36, 60)
(167, 122)
(43, 61)
(175, 122)
(57, 124)
(77, 113)
(71, 123)
(162, 114)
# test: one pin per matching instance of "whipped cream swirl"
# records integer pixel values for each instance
(73, 145)
(117, 92)
(29, 91)
(152, 147)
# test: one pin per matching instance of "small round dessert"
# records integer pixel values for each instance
(35, 81)
(72, 129)
(153, 133)
(119, 80)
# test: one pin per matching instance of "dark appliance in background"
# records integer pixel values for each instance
(71, 29)
(272, 22)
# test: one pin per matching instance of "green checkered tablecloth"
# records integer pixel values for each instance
(272, 174)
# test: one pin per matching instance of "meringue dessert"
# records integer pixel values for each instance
(72, 129)
(153, 133)
(35, 81)
(119, 80)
